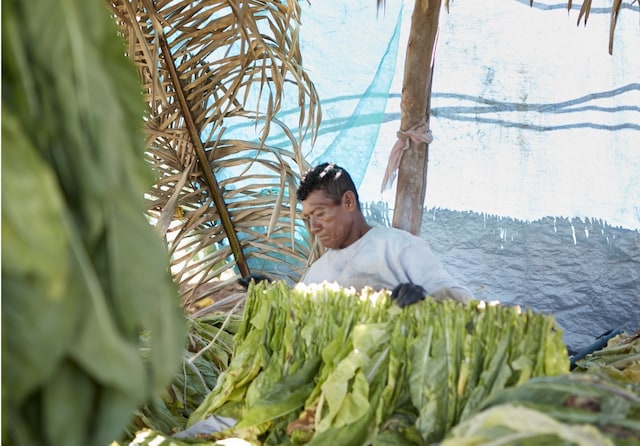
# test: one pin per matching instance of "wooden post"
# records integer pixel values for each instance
(415, 104)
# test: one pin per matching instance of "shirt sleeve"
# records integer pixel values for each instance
(416, 262)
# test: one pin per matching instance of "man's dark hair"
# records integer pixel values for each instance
(330, 178)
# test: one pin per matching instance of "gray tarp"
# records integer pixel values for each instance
(584, 272)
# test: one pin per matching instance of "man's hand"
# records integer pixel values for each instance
(407, 294)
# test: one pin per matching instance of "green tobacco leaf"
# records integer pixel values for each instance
(33, 214)
(374, 365)
(556, 359)
(498, 372)
(396, 372)
(422, 367)
(421, 362)
(285, 396)
(113, 408)
(346, 389)
(143, 292)
(369, 337)
(119, 363)
(354, 433)
(69, 423)
(249, 358)
(36, 268)
(356, 403)
(556, 390)
(72, 141)
(393, 438)
(510, 424)
(337, 387)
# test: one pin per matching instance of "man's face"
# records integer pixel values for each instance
(330, 222)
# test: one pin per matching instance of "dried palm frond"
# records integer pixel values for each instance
(216, 76)
(585, 10)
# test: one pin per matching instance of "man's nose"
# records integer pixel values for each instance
(314, 226)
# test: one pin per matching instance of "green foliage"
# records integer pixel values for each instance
(618, 360)
(513, 425)
(82, 273)
(206, 356)
(572, 409)
(326, 365)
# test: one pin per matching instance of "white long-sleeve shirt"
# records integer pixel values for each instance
(383, 258)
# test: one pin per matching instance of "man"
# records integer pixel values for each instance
(359, 255)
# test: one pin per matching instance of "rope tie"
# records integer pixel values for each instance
(418, 133)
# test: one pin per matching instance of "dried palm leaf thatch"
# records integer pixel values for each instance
(585, 10)
(226, 204)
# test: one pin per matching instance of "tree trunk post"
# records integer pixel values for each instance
(415, 104)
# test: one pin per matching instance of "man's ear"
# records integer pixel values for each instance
(349, 201)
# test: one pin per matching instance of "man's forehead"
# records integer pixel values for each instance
(317, 196)
(317, 199)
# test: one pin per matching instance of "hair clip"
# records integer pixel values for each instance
(303, 178)
(327, 169)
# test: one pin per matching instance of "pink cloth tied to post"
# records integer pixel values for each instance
(417, 134)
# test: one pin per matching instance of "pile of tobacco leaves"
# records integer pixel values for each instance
(324, 365)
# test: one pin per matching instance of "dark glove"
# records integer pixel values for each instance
(407, 294)
(256, 277)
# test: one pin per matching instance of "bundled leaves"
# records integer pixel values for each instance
(572, 409)
(619, 360)
(513, 425)
(83, 273)
(322, 365)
